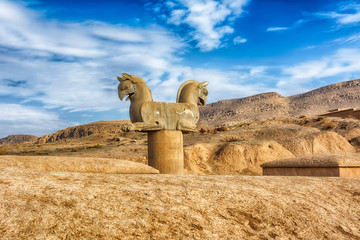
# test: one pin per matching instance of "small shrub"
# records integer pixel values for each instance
(232, 139)
(215, 131)
(319, 119)
(326, 125)
(202, 131)
(221, 129)
(343, 126)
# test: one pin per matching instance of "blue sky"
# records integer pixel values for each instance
(59, 59)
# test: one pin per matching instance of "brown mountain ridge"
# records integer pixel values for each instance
(272, 105)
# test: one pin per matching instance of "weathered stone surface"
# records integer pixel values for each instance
(165, 151)
(321, 160)
(324, 165)
(147, 115)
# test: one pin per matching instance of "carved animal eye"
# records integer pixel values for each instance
(205, 92)
(125, 85)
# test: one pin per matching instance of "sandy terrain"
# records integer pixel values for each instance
(53, 205)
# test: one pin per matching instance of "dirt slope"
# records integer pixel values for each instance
(47, 205)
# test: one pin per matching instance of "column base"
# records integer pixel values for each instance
(165, 151)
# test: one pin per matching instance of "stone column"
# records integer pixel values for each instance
(165, 151)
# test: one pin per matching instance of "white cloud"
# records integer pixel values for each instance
(18, 119)
(342, 65)
(74, 65)
(210, 20)
(274, 29)
(347, 13)
(343, 61)
(239, 40)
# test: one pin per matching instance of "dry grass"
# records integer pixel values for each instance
(327, 125)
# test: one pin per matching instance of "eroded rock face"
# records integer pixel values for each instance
(318, 143)
(233, 158)
(246, 149)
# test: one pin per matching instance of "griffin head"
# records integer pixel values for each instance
(126, 86)
(203, 92)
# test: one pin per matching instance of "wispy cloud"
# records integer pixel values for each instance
(346, 14)
(17, 119)
(208, 20)
(343, 61)
(239, 40)
(342, 65)
(274, 29)
(298, 23)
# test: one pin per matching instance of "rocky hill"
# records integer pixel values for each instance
(101, 127)
(272, 105)
(17, 139)
(338, 95)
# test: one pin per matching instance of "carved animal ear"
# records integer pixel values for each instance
(124, 77)
(127, 76)
(203, 84)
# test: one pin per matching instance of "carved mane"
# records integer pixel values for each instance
(193, 92)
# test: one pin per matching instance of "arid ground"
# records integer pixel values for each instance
(80, 188)
(68, 205)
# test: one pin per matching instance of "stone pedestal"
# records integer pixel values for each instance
(322, 165)
(165, 151)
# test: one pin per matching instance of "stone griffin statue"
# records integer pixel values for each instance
(147, 115)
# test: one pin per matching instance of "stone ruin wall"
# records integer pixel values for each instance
(343, 113)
